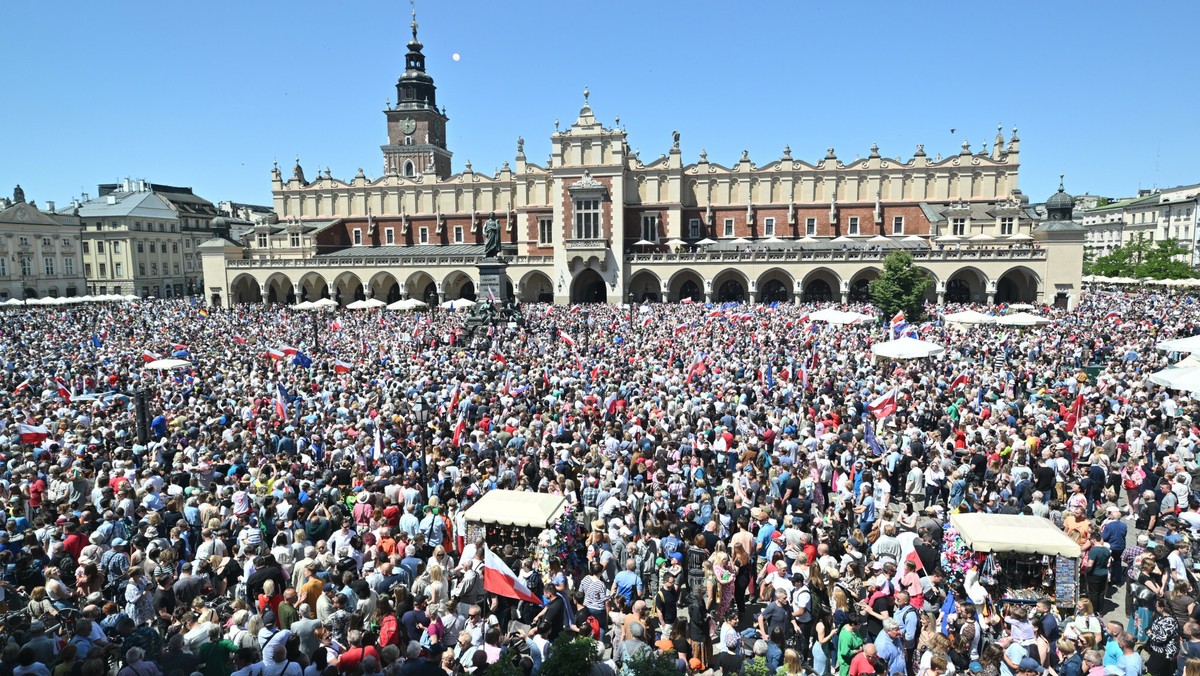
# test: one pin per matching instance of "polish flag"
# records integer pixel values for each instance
(686, 301)
(565, 338)
(454, 398)
(458, 430)
(272, 353)
(1075, 414)
(340, 366)
(32, 434)
(289, 350)
(500, 358)
(785, 373)
(148, 356)
(238, 339)
(884, 405)
(680, 329)
(280, 401)
(23, 386)
(499, 579)
(958, 381)
(575, 308)
(178, 346)
(63, 390)
(646, 322)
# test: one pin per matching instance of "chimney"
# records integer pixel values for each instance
(112, 199)
(1144, 192)
(50, 206)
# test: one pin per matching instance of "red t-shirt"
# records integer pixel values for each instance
(349, 660)
(36, 492)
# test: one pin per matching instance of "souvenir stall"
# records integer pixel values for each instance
(519, 518)
(1012, 558)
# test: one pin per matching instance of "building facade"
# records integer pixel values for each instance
(596, 222)
(1167, 214)
(39, 251)
(143, 238)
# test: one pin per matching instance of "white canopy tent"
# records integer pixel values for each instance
(457, 304)
(408, 304)
(838, 317)
(1022, 319)
(524, 509)
(969, 317)
(1189, 344)
(324, 302)
(1186, 378)
(905, 347)
(1019, 533)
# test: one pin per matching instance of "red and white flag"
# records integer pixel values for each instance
(335, 325)
(884, 405)
(32, 434)
(289, 350)
(458, 430)
(148, 356)
(272, 353)
(575, 308)
(959, 381)
(238, 339)
(63, 390)
(562, 335)
(23, 386)
(178, 346)
(340, 366)
(499, 579)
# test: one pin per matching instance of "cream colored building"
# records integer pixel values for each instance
(595, 222)
(1166, 214)
(39, 251)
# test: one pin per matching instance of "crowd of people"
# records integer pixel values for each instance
(292, 503)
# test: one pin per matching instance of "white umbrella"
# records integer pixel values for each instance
(132, 297)
(947, 238)
(1020, 237)
(1187, 378)
(1020, 306)
(1189, 344)
(706, 242)
(739, 241)
(906, 348)
(373, 303)
(325, 302)
(358, 305)
(1022, 319)
(407, 304)
(969, 317)
(914, 238)
(838, 317)
(167, 364)
(772, 240)
(457, 304)
(879, 238)
(841, 239)
(983, 238)
(808, 239)
(305, 305)
(643, 242)
(675, 242)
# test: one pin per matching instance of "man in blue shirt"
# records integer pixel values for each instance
(1113, 533)
(627, 582)
(889, 647)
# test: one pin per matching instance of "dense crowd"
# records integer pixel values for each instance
(295, 507)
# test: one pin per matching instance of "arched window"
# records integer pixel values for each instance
(408, 169)
(408, 140)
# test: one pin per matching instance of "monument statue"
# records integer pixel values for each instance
(491, 237)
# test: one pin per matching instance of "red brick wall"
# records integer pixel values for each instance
(531, 233)
(606, 210)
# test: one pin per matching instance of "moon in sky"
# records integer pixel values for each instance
(456, 57)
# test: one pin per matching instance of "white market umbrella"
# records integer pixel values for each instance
(1189, 344)
(838, 317)
(131, 297)
(772, 240)
(969, 317)
(675, 242)
(1020, 237)
(357, 305)
(457, 304)
(914, 238)
(643, 242)
(1186, 379)
(706, 242)
(304, 305)
(167, 364)
(407, 304)
(740, 241)
(1020, 306)
(947, 238)
(907, 348)
(324, 302)
(881, 239)
(808, 239)
(982, 238)
(1022, 319)
(373, 303)
(841, 239)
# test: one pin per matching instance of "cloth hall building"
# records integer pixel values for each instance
(594, 222)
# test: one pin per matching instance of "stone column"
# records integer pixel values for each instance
(941, 298)
(262, 291)
(991, 298)
(751, 297)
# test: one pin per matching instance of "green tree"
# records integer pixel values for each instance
(1119, 262)
(651, 662)
(571, 656)
(901, 286)
(1166, 259)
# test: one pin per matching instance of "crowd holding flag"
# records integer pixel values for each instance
(884, 405)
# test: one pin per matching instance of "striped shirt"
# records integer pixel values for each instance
(594, 592)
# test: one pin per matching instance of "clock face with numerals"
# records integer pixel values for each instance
(408, 125)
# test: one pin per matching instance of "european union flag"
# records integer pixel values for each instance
(872, 442)
(96, 342)
(301, 359)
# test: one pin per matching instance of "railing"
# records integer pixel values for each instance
(836, 255)
(378, 261)
(586, 244)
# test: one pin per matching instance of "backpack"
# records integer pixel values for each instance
(535, 584)
(808, 605)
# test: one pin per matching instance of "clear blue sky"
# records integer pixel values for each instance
(207, 94)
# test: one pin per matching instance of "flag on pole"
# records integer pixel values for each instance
(148, 356)
(178, 346)
(1075, 413)
(23, 386)
(871, 440)
(272, 353)
(32, 434)
(335, 325)
(959, 381)
(302, 360)
(288, 350)
(238, 339)
(63, 391)
(280, 401)
(203, 312)
(96, 342)
(499, 579)
(378, 442)
(340, 366)
(562, 335)
(458, 430)
(884, 406)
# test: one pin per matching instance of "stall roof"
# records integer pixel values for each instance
(524, 509)
(1013, 533)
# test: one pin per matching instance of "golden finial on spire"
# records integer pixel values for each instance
(414, 17)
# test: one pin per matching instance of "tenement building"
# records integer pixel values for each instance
(39, 251)
(595, 222)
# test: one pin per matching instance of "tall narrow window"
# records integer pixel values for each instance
(1006, 225)
(357, 236)
(728, 227)
(897, 225)
(587, 219)
(48, 265)
(294, 238)
(423, 235)
(650, 228)
(694, 228)
(853, 227)
(458, 234)
(769, 227)
(262, 240)
(408, 169)
(958, 227)
(389, 236)
(810, 227)
(545, 231)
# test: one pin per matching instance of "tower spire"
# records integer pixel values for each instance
(414, 17)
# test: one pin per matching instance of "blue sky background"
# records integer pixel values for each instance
(208, 94)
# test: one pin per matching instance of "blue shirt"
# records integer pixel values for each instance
(627, 581)
(1112, 653)
(1113, 533)
(1131, 664)
(890, 652)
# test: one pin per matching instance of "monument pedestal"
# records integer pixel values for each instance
(493, 278)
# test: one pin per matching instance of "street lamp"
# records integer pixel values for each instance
(421, 414)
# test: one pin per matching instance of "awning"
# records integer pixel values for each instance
(524, 509)
(1013, 533)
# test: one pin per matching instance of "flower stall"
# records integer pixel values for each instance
(1011, 558)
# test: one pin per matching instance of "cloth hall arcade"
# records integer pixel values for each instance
(595, 222)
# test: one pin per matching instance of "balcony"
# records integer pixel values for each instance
(377, 261)
(594, 245)
(1029, 254)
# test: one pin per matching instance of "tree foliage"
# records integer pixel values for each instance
(651, 662)
(1141, 257)
(570, 656)
(901, 286)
